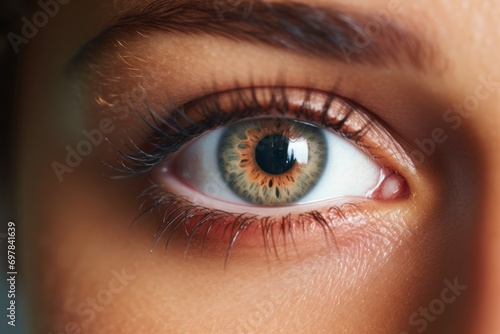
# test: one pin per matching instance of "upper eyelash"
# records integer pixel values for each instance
(169, 134)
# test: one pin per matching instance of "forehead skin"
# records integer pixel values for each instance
(467, 34)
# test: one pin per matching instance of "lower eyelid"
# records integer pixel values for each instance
(335, 225)
(391, 186)
(173, 185)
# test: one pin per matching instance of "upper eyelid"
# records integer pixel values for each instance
(342, 113)
(326, 32)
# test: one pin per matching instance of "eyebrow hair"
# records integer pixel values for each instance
(335, 33)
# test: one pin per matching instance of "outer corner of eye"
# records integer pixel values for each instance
(271, 162)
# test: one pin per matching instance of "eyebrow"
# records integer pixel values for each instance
(340, 33)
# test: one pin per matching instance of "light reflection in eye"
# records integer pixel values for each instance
(254, 163)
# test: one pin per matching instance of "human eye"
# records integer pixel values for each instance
(246, 163)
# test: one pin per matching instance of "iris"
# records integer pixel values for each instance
(272, 161)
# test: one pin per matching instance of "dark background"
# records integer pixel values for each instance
(8, 62)
(11, 12)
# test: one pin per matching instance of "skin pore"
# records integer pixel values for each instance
(100, 65)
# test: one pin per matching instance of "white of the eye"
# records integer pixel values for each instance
(349, 172)
(201, 168)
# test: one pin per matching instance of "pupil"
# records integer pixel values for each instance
(272, 154)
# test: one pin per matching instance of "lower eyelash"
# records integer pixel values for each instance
(178, 214)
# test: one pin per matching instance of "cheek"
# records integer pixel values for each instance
(85, 255)
(98, 275)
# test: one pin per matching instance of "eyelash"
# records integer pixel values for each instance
(184, 211)
(169, 135)
(172, 131)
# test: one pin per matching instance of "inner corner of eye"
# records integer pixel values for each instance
(271, 162)
(391, 186)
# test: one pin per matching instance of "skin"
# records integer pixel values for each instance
(391, 262)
